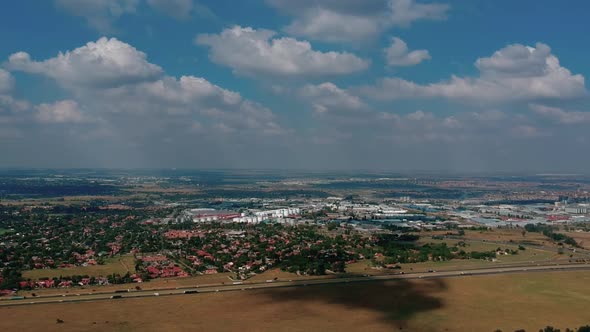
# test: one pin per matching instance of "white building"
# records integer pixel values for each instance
(279, 213)
(578, 209)
(260, 216)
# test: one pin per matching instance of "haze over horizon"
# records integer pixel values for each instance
(445, 85)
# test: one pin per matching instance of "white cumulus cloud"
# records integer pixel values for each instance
(327, 25)
(398, 54)
(256, 52)
(514, 73)
(405, 12)
(113, 82)
(353, 20)
(104, 63)
(327, 98)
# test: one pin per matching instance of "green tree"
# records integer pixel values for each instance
(549, 329)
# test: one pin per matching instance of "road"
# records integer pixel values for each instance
(124, 294)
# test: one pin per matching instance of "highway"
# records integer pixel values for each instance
(121, 295)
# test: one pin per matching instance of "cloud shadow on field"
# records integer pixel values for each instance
(397, 301)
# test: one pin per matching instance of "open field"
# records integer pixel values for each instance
(498, 235)
(539, 249)
(507, 302)
(506, 235)
(532, 254)
(583, 238)
(120, 265)
(282, 275)
(364, 267)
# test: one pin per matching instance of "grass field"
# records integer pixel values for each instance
(120, 265)
(364, 267)
(483, 303)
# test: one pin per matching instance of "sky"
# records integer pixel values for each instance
(399, 85)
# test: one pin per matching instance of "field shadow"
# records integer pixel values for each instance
(396, 301)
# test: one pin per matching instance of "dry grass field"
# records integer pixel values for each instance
(120, 265)
(498, 235)
(364, 267)
(583, 238)
(282, 275)
(506, 235)
(483, 303)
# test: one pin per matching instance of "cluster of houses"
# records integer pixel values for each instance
(206, 248)
(198, 260)
(183, 234)
(62, 283)
(84, 259)
(254, 249)
(160, 266)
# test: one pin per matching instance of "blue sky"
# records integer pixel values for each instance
(487, 85)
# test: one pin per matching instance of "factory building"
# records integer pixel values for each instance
(578, 209)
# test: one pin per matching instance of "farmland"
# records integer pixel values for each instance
(506, 302)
